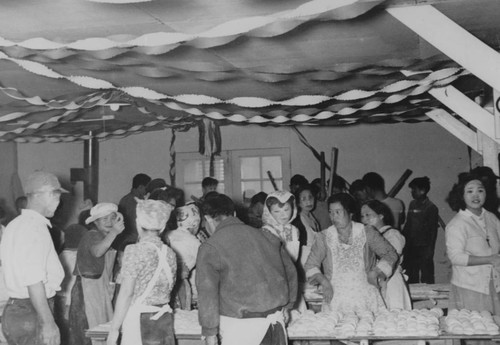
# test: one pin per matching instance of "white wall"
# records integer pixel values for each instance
(425, 148)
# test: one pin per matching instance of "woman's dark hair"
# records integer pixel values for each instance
(381, 209)
(347, 202)
(270, 201)
(259, 197)
(217, 205)
(456, 196)
(169, 194)
(300, 190)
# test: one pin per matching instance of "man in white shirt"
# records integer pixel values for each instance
(32, 270)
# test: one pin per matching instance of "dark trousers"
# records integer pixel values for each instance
(20, 322)
(419, 264)
(157, 332)
(275, 335)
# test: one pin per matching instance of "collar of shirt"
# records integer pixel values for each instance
(34, 214)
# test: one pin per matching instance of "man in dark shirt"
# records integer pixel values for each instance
(420, 232)
(127, 207)
(245, 279)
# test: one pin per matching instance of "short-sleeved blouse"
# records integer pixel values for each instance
(140, 261)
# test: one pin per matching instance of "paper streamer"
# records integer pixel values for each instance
(257, 26)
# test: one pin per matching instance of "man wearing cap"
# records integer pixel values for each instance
(92, 293)
(245, 279)
(32, 270)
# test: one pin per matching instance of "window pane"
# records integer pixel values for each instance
(250, 188)
(193, 171)
(250, 168)
(218, 169)
(272, 164)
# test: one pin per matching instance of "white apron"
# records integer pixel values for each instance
(248, 331)
(396, 294)
(131, 329)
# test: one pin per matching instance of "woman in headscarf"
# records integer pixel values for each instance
(148, 276)
(279, 212)
(184, 242)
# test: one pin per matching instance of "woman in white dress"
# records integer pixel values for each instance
(345, 250)
(378, 215)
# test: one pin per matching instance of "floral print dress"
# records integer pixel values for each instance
(351, 290)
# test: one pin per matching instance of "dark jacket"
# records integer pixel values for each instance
(240, 271)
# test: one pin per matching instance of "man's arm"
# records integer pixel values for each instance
(50, 332)
(291, 275)
(207, 284)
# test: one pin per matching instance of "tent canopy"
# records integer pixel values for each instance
(68, 68)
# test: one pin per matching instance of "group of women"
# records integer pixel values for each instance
(356, 261)
(357, 264)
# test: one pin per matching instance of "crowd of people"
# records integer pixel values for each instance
(243, 268)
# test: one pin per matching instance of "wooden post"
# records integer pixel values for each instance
(333, 168)
(400, 183)
(271, 178)
(323, 169)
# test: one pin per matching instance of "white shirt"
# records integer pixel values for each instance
(28, 256)
(466, 235)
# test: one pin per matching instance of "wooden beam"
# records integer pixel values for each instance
(453, 40)
(496, 112)
(489, 150)
(467, 109)
(455, 127)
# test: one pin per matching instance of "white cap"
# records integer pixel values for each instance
(101, 210)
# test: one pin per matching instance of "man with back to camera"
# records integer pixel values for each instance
(127, 206)
(245, 279)
(32, 270)
(375, 185)
(209, 184)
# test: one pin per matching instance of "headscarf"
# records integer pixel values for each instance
(286, 232)
(183, 240)
(188, 218)
(152, 214)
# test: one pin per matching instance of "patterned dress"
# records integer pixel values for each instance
(351, 290)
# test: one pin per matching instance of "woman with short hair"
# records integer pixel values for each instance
(346, 251)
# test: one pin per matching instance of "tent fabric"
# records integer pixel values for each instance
(124, 81)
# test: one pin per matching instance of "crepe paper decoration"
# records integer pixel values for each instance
(248, 102)
(171, 171)
(259, 26)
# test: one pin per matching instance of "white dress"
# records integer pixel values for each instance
(396, 294)
(351, 290)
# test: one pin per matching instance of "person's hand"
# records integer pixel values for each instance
(112, 337)
(316, 279)
(286, 315)
(375, 277)
(327, 291)
(495, 261)
(184, 272)
(211, 340)
(50, 334)
(118, 225)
